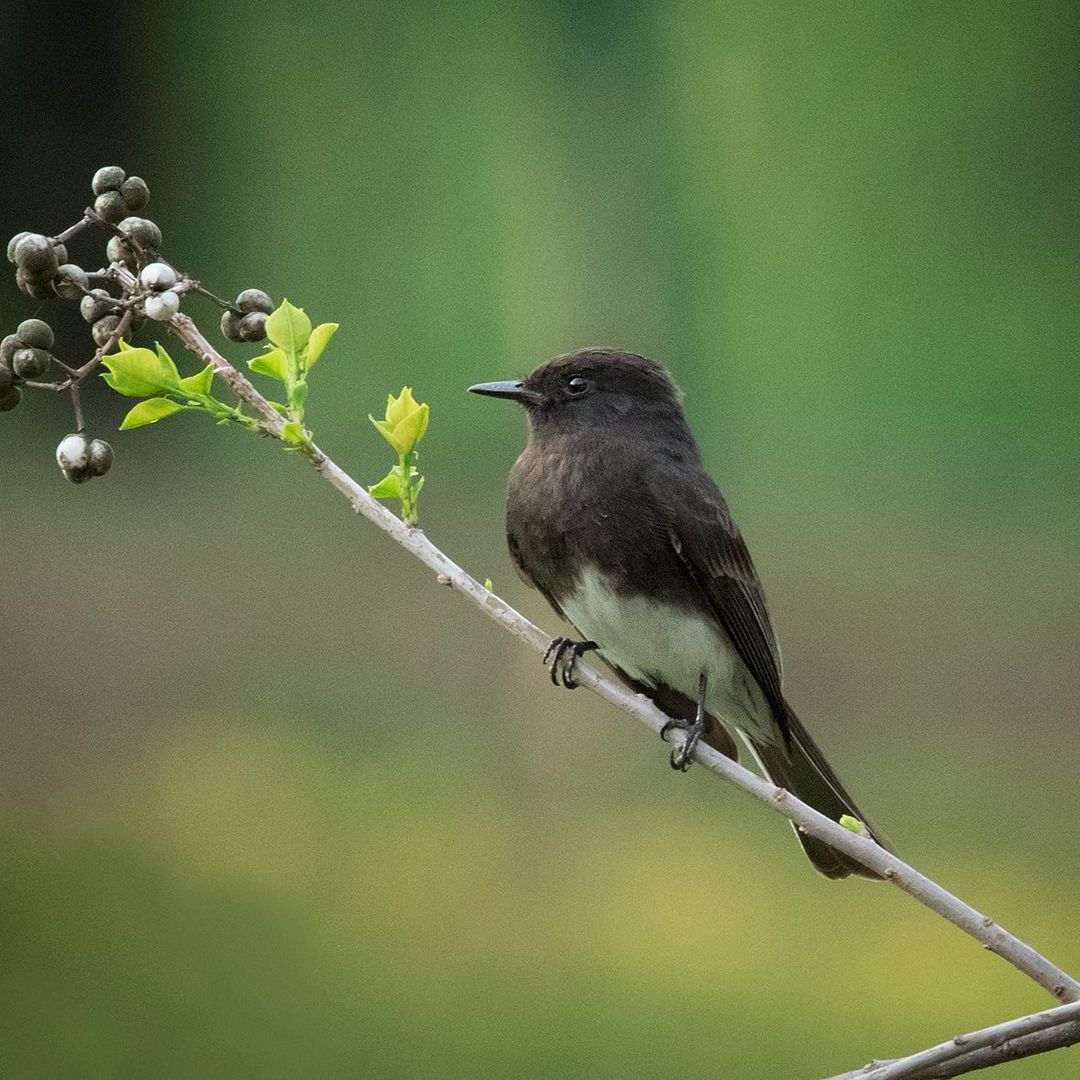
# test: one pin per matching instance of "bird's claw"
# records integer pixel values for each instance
(682, 755)
(562, 656)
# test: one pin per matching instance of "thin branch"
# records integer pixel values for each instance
(861, 848)
(1036, 1033)
(76, 403)
(1042, 1042)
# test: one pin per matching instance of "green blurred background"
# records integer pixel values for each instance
(273, 804)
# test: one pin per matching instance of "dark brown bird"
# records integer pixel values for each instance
(612, 517)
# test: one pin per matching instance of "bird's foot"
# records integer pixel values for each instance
(682, 755)
(561, 658)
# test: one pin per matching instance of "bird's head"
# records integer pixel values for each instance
(590, 389)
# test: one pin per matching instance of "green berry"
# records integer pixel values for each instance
(36, 286)
(230, 325)
(162, 306)
(158, 276)
(36, 333)
(96, 305)
(103, 329)
(35, 254)
(255, 300)
(108, 178)
(100, 457)
(142, 231)
(12, 242)
(29, 363)
(71, 282)
(8, 348)
(10, 398)
(119, 251)
(135, 192)
(253, 326)
(110, 206)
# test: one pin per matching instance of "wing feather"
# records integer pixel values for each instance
(712, 551)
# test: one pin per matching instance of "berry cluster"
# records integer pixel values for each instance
(41, 264)
(118, 195)
(102, 310)
(162, 301)
(24, 355)
(81, 459)
(136, 284)
(249, 322)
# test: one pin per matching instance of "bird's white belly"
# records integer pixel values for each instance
(658, 643)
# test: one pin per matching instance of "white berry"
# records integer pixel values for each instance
(158, 276)
(162, 306)
(73, 453)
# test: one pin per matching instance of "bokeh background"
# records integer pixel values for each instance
(273, 804)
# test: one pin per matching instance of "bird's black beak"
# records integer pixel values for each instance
(515, 391)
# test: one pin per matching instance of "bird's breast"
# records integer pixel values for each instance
(658, 643)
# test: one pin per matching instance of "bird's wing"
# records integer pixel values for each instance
(712, 551)
(519, 568)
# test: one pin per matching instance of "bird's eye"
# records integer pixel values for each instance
(577, 385)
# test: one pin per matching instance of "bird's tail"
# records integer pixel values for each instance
(799, 766)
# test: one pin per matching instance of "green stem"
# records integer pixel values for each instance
(408, 498)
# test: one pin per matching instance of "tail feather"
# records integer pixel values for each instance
(800, 767)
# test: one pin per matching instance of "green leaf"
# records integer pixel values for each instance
(141, 373)
(280, 409)
(298, 396)
(294, 433)
(289, 328)
(150, 411)
(385, 429)
(397, 408)
(317, 342)
(411, 430)
(273, 363)
(853, 824)
(389, 487)
(201, 383)
(487, 584)
(166, 360)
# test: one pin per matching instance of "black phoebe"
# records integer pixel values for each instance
(611, 516)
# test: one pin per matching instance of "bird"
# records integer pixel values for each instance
(612, 517)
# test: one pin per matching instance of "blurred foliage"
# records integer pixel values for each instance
(233, 845)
